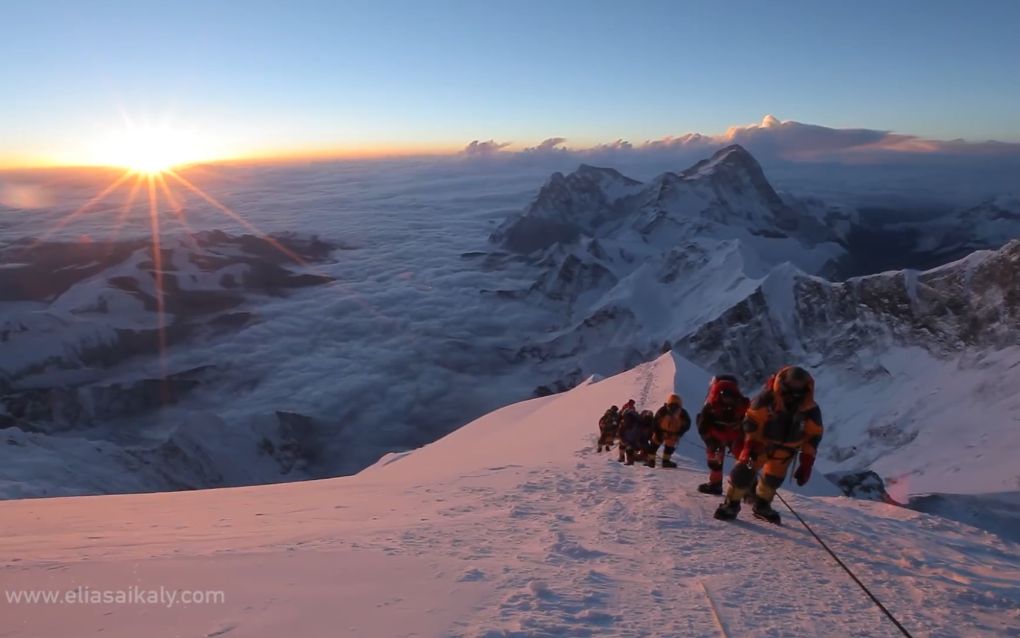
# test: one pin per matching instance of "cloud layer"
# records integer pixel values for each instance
(789, 141)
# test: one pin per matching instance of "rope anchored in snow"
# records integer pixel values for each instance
(818, 538)
(849, 572)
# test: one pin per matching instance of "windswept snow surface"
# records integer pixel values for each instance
(510, 526)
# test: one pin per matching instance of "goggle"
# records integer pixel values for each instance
(794, 395)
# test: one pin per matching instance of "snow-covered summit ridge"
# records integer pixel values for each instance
(510, 526)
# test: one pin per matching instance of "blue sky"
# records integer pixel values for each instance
(264, 77)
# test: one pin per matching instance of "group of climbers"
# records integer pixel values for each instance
(764, 436)
(640, 434)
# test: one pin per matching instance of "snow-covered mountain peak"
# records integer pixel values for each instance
(732, 158)
(726, 196)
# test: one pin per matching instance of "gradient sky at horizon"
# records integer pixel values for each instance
(262, 78)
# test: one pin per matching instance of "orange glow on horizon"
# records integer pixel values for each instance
(255, 156)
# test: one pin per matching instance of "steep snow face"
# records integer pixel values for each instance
(510, 526)
(912, 368)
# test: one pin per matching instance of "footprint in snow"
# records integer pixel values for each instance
(472, 575)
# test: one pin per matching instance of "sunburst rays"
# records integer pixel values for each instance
(158, 188)
(157, 275)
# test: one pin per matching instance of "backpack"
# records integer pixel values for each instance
(609, 421)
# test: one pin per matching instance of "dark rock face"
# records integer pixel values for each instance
(971, 303)
(41, 271)
(52, 409)
(569, 381)
(573, 277)
(295, 442)
(566, 207)
(864, 485)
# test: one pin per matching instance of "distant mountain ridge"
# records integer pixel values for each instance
(728, 189)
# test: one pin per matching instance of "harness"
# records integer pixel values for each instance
(780, 429)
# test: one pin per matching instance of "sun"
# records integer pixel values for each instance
(148, 150)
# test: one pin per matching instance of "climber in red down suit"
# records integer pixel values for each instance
(719, 424)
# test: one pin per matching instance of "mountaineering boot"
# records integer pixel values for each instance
(711, 488)
(630, 458)
(668, 463)
(727, 511)
(763, 510)
(650, 461)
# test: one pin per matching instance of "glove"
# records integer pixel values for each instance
(803, 472)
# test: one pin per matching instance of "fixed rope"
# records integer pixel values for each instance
(836, 558)
(849, 572)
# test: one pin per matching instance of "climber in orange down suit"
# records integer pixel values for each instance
(782, 422)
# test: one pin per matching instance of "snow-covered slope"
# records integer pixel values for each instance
(511, 526)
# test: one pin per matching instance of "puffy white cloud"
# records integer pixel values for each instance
(548, 145)
(477, 148)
